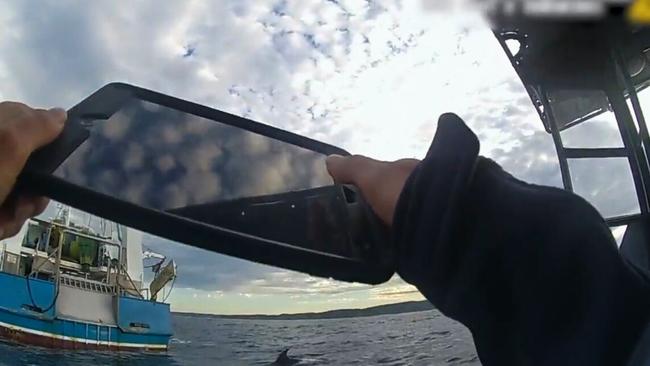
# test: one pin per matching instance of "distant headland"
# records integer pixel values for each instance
(399, 308)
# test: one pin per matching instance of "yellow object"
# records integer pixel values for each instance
(639, 12)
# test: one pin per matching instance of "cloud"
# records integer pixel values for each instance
(532, 158)
(207, 271)
(299, 285)
(395, 290)
(204, 270)
(600, 131)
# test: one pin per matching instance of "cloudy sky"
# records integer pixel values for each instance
(369, 76)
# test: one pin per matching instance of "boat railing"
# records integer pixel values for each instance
(85, 284)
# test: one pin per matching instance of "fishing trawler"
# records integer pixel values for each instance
(66, 285)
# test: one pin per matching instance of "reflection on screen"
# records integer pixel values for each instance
(164, 159)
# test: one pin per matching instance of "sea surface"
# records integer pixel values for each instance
(422, 338)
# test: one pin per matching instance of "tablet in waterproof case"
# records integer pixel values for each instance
(212, 180)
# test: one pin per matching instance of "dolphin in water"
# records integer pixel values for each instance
(285, 360)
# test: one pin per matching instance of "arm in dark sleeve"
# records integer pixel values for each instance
(532, 271)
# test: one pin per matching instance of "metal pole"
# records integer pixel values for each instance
(557, 141)
(631, 141)
(634, 99)
(57, 278)
(2, 257)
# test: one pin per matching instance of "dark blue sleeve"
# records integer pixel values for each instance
(532, 271)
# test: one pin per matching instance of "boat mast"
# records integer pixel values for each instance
(131, 255)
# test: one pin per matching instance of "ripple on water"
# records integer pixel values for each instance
(179, 341)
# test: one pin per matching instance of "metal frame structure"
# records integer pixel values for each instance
(593, 57)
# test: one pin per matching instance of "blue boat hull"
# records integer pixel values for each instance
(140, 324)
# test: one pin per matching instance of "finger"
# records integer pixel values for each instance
(21, 134)
(350, 169)
(19, 208)
(29, 205)
(14, 213)
(11, 228)
(335, 167)
(10, 109)
(40, 204)
(40, 127)
(23, 130)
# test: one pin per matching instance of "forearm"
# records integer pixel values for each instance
(532, 271)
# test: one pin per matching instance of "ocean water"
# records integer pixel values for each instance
(423, 338)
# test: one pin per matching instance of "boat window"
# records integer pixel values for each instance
(36, 237)
(618, 232)
(108, 252)
(597, 132)
(606, 183)
(644, 103)
(80, 249)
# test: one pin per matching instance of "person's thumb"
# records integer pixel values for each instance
(20, 134)
(349, 169)
(336, 166)
(42, 127)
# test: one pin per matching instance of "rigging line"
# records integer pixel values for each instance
(130, 280)
(170, 289)
(29, 287)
